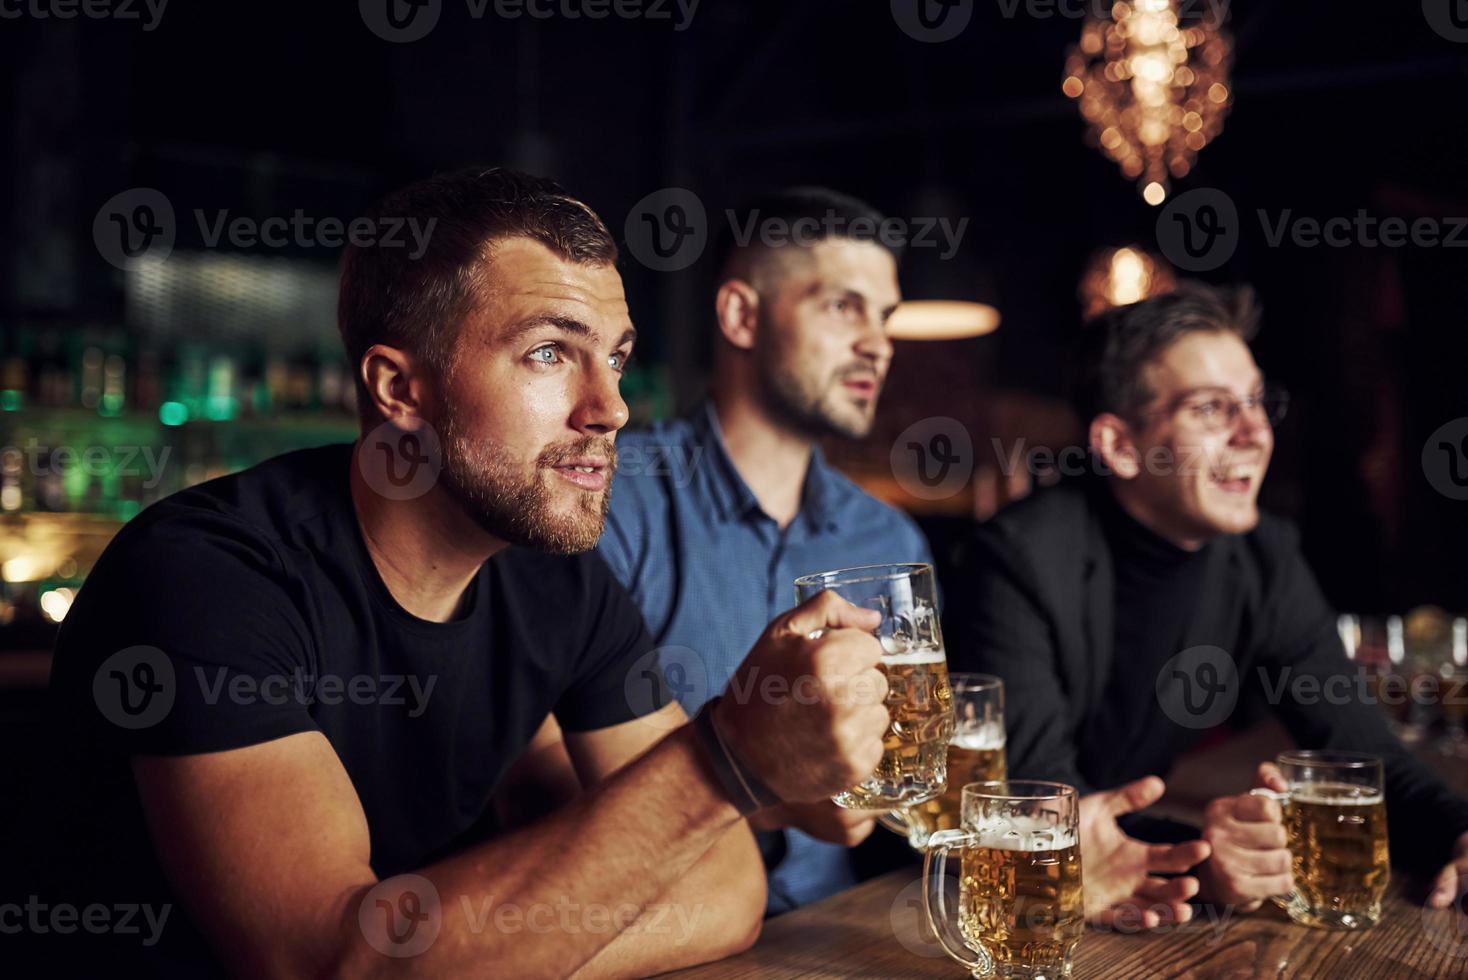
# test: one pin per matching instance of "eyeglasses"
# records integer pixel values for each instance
(1218, 411)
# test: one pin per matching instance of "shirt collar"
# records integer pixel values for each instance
(731, 496)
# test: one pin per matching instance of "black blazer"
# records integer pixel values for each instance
(1034, 604)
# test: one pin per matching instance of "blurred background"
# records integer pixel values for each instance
(147, 343)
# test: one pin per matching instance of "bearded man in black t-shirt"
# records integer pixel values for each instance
(376, 705)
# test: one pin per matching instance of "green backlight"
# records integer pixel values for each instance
(9, 400)
(173, 413)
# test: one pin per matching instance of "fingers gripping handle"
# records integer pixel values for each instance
(1283, 901)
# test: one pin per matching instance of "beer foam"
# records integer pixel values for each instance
(1028, 834)
(1335, 794)
(927, 655)
(982, 739)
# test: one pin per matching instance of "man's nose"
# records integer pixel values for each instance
(600, 408)
(874, 344)
(1251, 425)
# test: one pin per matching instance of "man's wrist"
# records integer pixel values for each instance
(743, 788)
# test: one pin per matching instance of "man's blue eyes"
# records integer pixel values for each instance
(618, 360)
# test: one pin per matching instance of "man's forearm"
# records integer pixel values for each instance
(570, 882)
(713, 911)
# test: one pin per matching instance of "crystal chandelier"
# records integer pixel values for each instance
(1153, 91)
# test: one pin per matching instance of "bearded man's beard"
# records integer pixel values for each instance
(489, 484)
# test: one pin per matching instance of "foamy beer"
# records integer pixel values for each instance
(1020, 906)
(975, 755)
(1335, 819)
(914, 757)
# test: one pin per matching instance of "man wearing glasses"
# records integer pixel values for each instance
(1127, 610)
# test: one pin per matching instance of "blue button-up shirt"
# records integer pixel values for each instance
(710, 569)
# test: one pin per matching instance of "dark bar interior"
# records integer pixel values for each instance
(183, 188)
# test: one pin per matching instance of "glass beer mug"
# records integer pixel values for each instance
(1335, 822)
(1020, 906)
(915, 747)
(975, 755)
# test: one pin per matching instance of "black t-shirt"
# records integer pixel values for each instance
(248, 608)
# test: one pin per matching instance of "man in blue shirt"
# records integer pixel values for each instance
(714, 515)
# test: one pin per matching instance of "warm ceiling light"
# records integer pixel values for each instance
(1119, 276)
(941, 319)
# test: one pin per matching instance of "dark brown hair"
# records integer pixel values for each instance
(392, 295)
(1117, 346)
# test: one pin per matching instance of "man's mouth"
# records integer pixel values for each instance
(866, 387)
(586, 472)
(1235, 479)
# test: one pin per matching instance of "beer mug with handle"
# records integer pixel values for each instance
(1020, 907)
(975, 755)
(914, 757)
(1335, 822)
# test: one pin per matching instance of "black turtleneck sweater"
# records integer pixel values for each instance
(1158, 590)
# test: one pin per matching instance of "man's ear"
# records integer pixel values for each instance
(1111, 439)
(397, 382)
(737, 308)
